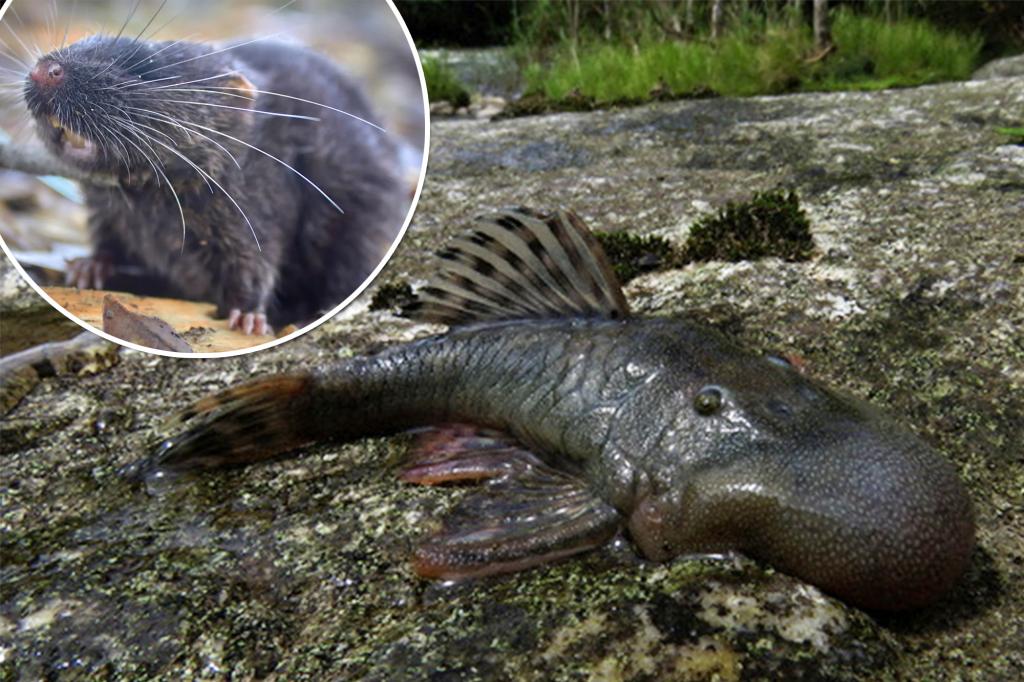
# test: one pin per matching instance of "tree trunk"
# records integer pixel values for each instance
(822, 34)
(717, 17)
(689, 19)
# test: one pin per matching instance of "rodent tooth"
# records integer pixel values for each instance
(76, 141)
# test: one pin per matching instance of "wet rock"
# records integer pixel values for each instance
(912, 299)
(441, 109)
(1006, 67)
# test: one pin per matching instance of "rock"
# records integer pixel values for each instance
(1006, 67)
(487, 113)
(26, 319)
(913, 299)
(441, 109)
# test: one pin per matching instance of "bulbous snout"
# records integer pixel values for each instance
(883, 520)
(47, 73)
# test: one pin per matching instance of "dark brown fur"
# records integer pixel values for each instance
(310, 256)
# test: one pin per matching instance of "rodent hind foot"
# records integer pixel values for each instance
(249, 323)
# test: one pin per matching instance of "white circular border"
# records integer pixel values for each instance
(311, 326)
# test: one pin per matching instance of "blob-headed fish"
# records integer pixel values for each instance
(587, 421)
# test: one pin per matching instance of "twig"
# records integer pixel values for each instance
(36, 160)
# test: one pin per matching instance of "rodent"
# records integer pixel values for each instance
(197, 206)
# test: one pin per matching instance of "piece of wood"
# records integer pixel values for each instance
(35, 159)
(145, 330)
(193, 321)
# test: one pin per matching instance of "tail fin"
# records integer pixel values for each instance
(248, 423)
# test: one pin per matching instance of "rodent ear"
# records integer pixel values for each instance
(243, 87)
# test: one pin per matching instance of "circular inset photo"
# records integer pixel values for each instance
(203, 179)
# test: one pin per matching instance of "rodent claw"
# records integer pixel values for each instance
(86, 273)
(249, 323)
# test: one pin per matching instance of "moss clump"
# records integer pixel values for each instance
(632, 255)
(392, 295)
(770, 224)
(1016, 133)
(443, 85)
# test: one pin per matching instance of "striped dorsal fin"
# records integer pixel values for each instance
(521, 264)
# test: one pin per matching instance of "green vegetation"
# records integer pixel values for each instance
(392, 296)
(1016, 133)
(769, 224)
(632, 255)
(758, 55)
(442, 84)
(872, 54)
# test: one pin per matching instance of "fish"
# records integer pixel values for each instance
(579, 421)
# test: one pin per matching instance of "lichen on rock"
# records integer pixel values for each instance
(913, 299)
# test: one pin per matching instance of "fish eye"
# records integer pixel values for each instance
(778, 360)
(708, 400)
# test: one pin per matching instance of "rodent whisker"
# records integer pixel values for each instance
(38, 52)
(210, 54)
(153, 159)
(209, 178)
(136, 83)
(186, 39)
(13, 56)
(211, 91)
(206, 176)
(155, 115)
(297, 99)
(269, 155)
(114, 137)
(135, 41)
(119, 34)
(227, 106)
(157, 166)
(161, 133)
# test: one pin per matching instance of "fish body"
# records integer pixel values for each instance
(589, 424)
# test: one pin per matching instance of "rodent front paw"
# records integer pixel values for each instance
(249, 323)
(88, 273)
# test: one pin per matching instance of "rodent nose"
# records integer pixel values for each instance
(47, 73)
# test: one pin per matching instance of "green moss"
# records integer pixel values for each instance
(442, 84)
(770, 224)
(1016, 133)
(392, 295)
(632, 255)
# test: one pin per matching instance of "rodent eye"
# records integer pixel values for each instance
(708, 400)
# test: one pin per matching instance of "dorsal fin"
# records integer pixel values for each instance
(521, 264)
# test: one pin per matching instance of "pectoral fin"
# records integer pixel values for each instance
(527, 513)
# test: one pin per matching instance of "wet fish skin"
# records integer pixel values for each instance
(781, 468)
(815, 483)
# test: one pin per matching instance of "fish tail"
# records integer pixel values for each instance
(249, 423)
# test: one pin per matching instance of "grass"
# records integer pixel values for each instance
(442, 84)
(759, 57)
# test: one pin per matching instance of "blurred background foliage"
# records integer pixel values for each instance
(606, 51)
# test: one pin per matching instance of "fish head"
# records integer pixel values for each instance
(816, 483)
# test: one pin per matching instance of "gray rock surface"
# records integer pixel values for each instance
(1005, 67)
(914, 301)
